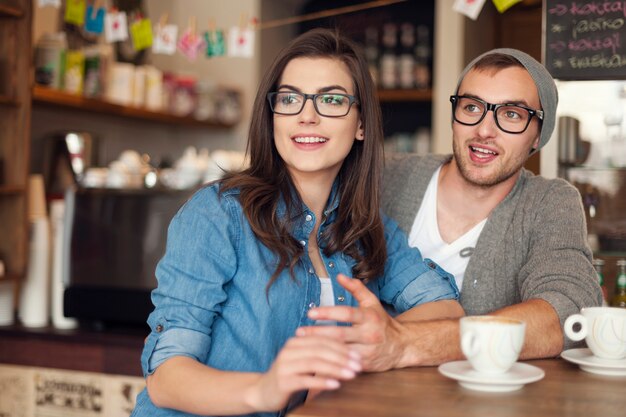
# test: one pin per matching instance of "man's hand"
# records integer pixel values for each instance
(375, 335)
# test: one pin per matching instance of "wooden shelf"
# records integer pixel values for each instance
(387, 96)
(9, 277)
(5, 100)
(6, 10)
(43, 95)
(11, 189)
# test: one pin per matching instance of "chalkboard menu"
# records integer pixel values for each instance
(585, 40)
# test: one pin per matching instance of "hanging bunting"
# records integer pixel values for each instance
(241, 39)
(240, 42)
(75, 12)
(115, 26)
(164, 37)
(141, 34)
(504, 5)
(216, 46)
(214, 39)
(470, 8)
(190, 43)
(94, 19)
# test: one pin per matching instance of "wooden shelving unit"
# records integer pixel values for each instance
(8, 190)
(10, 11)
(15, 50)
(48, 96)
(388, 96)
(8, 101)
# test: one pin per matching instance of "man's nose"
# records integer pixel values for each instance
(488, 127)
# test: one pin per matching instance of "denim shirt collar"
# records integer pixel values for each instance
(329, 212)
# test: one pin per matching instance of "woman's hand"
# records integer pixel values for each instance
(305, 363)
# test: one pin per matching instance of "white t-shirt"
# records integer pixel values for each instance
(327, 298)
(424, 235)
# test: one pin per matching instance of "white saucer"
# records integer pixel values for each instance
(514, 379)
(590, 363)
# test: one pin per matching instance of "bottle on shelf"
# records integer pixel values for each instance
(423, 55)
(619, 299)
(406, 60)
(388, 61)
(598, 264)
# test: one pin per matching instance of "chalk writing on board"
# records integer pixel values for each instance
(585, 39)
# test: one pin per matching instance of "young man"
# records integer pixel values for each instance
(515, 242)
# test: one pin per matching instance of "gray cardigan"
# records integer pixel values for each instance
(533, 245)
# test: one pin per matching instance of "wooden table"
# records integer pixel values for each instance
(565, 390)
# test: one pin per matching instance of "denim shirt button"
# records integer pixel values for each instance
(308, 218)
(311, 271)
(312, 305)
(432, 265)
(341, 298)
(303, 243)
(159, 328)
(331, 264)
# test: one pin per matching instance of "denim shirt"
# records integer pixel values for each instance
(211, 302)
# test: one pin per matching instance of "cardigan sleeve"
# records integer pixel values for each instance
(558, 268)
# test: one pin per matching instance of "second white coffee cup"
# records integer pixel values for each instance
(603, 328)
(492, 344)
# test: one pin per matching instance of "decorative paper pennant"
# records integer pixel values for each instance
(115, 27)
(215, 43)
(240, 42)
(141, 34)
(165, 39)
(75, 12)
(54, 3)
(470, 8)
(74, 70)
(190, 44)
(504, 5)
(94, 20)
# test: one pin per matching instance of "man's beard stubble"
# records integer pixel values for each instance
(502, 173)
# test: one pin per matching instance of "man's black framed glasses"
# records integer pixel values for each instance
(290, 103)
(510, 118)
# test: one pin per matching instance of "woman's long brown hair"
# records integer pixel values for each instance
(358, 230)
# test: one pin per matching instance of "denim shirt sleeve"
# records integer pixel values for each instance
(200, 259)
(409, 279)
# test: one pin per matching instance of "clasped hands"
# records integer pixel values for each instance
(374, 335)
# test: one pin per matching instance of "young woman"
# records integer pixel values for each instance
(248, 256)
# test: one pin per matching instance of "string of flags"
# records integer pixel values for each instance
(163, 37)
(472, 8)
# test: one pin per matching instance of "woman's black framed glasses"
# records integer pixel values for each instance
(510, 118)
(290, 103)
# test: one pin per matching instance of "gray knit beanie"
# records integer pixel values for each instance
(548, 95)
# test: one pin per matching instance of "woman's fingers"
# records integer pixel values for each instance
(320, 355)
(306, 363)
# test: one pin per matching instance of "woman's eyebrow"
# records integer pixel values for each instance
(288, 87)
(321, 90)
(332, 87)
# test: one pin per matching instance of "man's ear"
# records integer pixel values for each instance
(360, 135)
(536, 143)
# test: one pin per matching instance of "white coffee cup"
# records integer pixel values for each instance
(492, 344)
(603, 328)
